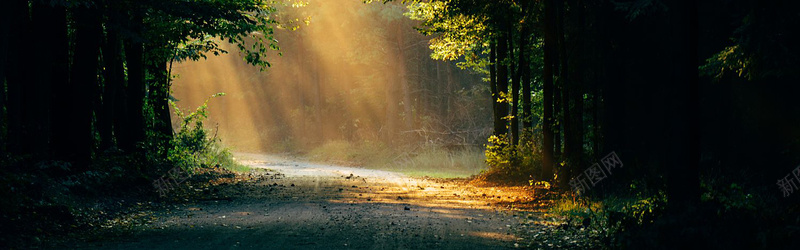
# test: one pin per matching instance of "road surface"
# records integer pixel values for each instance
(302, 205)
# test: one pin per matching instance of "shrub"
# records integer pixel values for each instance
(516, 164)
(192, 147)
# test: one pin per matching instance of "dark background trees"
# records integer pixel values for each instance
(665, 85)
(87, 76)
(84, 88)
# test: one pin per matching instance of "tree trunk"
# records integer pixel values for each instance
(448, 100)
(78, 143)
(558, 114)
(5, 20)
(567, 86)
(595, 120)
(493, 64)
(115, 79)
(52, 54)
(391, 109)
(113, 95)
(525, 78)
(21, 41)
(578, 81)
(514, 95)
(159, 99)
(134, 55)
(502, 81)
(683, 190)
(547, 89)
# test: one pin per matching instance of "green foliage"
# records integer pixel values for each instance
(727, 197)
(729, 60)
(761, 45)
(458, 34)
(519, 163)
(638, 210)
(429, 160)
(192, 147)
(500, 155)
(189, 29)
(435, 161)
(610, 218)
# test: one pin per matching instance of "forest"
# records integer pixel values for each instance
(488, 124)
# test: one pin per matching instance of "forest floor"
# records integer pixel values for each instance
(286, 203)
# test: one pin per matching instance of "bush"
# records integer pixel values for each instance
(435, 161)
(510, 163)
(192, 147)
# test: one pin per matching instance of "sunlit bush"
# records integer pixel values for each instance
(436, 161)
(517, 163)
(192, 146)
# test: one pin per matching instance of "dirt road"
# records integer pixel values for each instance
(300, 205)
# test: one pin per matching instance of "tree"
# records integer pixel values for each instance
(683, 189)
(549, 61)
(57, 101)
(75, 139)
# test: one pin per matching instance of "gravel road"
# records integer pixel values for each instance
(302, 205)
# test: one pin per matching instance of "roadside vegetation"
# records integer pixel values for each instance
(45, 202)
(419, 161)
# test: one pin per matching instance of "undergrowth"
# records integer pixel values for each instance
(512, 164)
(193, 147)
(46, 198)
(414, 160)
(736, 216)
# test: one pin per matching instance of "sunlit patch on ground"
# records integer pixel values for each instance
(494, 235)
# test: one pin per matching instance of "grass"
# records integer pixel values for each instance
(225, 159)
(440, 163)
(429, 161)
(237, 168)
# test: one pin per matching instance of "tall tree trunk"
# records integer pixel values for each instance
(105, 112)
(683, 186)
(5, 20)
(525, 78)
(596, 139)
(19, 39)
(113, 113)
(159, 99)
(566, 82)
(407, 108)
(448, 100)
(402, 77)
(514, 95)
(558, 125)
(547, 89)
(78, 144)
(502, 80)
(52, 53)
(578, 81)
(493, 64)
(391, 109)
(441, 110)
(134, 56)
